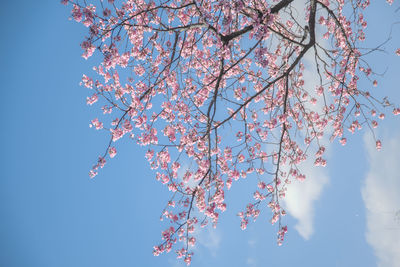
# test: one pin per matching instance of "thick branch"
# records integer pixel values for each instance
(274, 10)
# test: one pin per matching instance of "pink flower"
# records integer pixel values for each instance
(320, 90)
(139, 70)
(92, 173)
(149, 154)
(127, 126)
(117, 134)
(343, 141)
(106, 110)
(88, 48)
(378, 145)
(112, 151)
(275, 218)
(188, 259)
(97, 124)
(76, 13)
(91, 100)
(301, 177)
(270, 188)
(192, 241)
(243, 224)
(261, 185)
(229, 183)
(398, 51)
(87, 82)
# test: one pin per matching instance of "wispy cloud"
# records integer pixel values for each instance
(252, 242)
(301, 197)
(251, 262)
(381, 195)
(210, 238)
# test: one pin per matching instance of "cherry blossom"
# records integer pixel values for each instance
(217, 93)
(378, 145)
(112, 151)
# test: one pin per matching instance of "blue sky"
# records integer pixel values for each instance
(53, 215)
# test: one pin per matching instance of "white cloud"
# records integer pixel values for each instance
(381, 195)
(210, 238)
(252, 242)
(251, 262)
(301, 197)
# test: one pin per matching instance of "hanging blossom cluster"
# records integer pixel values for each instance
(216, 90)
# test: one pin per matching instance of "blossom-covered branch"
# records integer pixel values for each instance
(216, 91)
